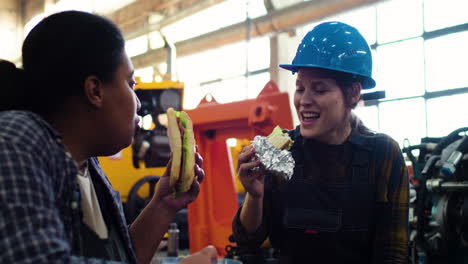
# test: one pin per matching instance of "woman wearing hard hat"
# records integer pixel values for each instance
(347, 201)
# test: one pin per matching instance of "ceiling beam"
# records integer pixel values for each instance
(134, 19)
(274, 22)
(32, 8)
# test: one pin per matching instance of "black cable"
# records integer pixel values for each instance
(449, 139)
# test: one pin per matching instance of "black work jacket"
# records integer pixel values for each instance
(335, 224)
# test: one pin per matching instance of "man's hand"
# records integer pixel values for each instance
(208, 255)
(165, 194)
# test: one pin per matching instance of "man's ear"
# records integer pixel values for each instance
(356, 88)
(93, 91)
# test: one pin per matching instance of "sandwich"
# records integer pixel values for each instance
(273, 152)
(280, 139)
(182, 144)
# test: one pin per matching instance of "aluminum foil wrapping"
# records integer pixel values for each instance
(280, 162)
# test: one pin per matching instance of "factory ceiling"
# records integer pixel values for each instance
(144, 16)
(274, 22)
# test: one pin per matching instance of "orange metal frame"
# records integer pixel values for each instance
(210, 216)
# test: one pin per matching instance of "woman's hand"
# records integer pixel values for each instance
(165, 194)
(208, 255)
(252, 180)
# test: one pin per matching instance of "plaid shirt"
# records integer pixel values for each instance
(386, 169)
(40, 212)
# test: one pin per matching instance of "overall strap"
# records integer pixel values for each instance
(362, 190)
(363, 147)
(297, 152)
(360, 166)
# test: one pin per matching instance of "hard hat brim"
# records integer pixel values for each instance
(368, 83)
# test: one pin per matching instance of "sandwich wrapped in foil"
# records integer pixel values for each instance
(277, 161)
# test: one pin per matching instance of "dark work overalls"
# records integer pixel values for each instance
(325, 223)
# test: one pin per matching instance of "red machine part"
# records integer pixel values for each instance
(210, 216)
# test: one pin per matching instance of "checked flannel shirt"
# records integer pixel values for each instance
(40, 212)
(387, 171)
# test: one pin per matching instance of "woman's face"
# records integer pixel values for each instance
(321, 107)
(121, 105)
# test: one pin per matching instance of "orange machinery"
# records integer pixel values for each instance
(210, 216)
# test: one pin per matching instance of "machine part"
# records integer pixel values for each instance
(148, 103)
(449, 228)
(335, 46)
(449, 139)
(421, 257)
(425, 149)
(464, 238)
(373, 95)
(441, 204)
(462, 228)
(434, 185)
(433, 159)
(435, 244)
(464, 210)
(439, 185)
(449, 166)
(140, 195)
(170, 58)
(159, 151)
(135, 203)
(169, 98)
(151, 147)
(412, 194)
(422, 219)
(143, 149)
(454, 186)
(157, 101)
(444, 215)
(173, 241)
(263, 255)
(210, 215)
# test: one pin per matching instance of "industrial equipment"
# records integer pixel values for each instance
(210, 216)
(439, 199)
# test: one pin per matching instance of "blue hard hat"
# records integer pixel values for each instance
(335, 46)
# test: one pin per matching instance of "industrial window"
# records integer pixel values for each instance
(137, 46)
(256, 83)
(446, 59)
(445, 114)
(442, 14)
(419, 61)
(401, 68)
(403, 119)
(230, 73)
(399, 19)
(145, 74)
(370, 115)
(213, 18)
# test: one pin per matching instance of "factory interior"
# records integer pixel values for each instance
(218, 60)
